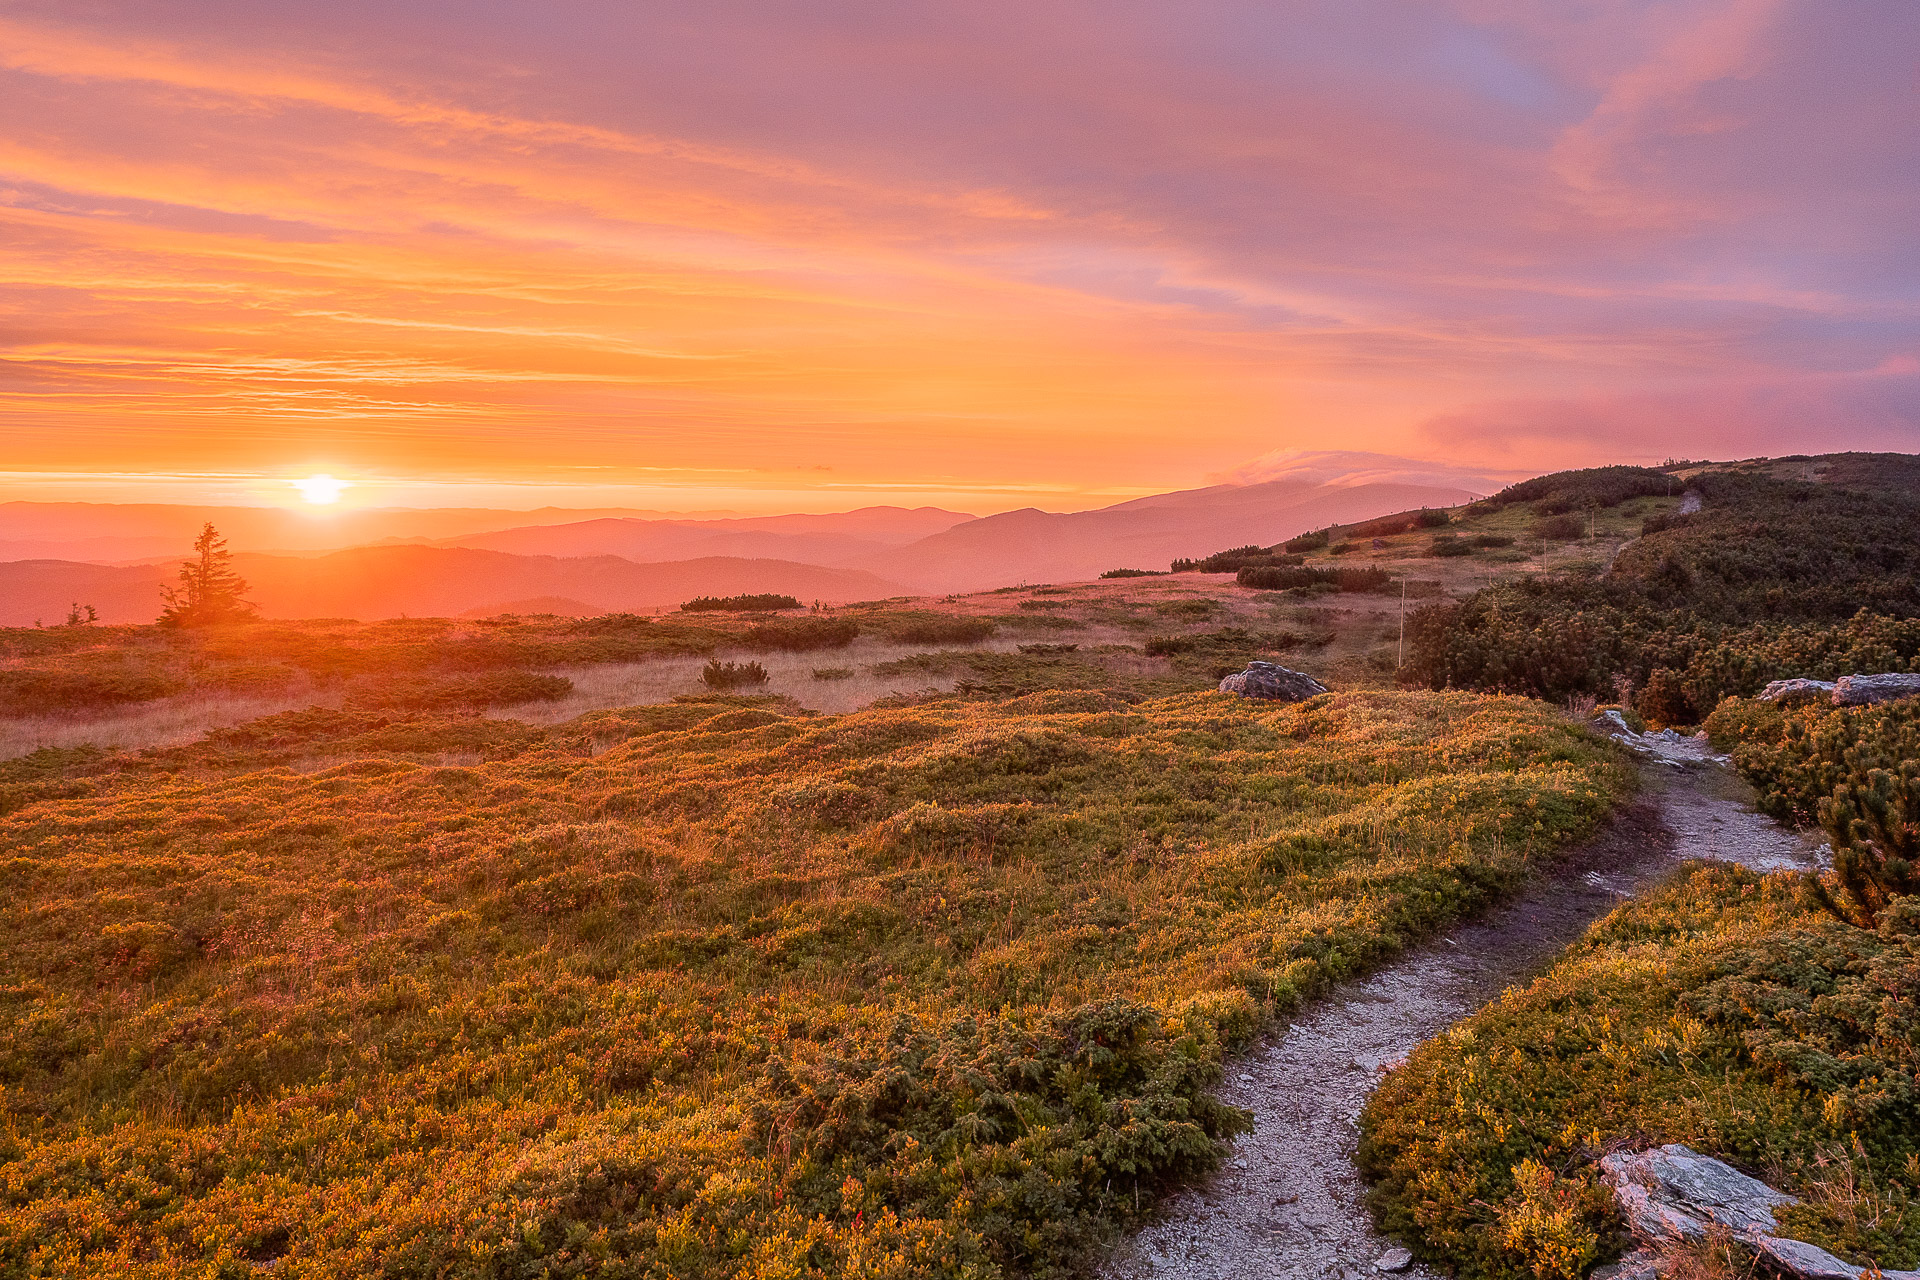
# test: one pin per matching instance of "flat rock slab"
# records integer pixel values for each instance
(1862, 691)
(1788, 692)
(1672, 1195)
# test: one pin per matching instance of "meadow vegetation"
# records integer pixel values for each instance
(710, 988)
(1721, 1011)
(1774, 1022)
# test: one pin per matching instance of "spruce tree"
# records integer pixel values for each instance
(209, 591)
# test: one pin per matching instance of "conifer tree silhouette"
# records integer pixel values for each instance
(209, 591)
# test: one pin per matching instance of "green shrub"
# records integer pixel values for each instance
(1564, 528)
(1306, 542)
(433, 693)
(1833, 570)
(1281, 578)
(764, 603)
(947, 630)
(802, 635)
(732, 675)
(1133, 573)
(1235, 560)
(1664, 701)
(1447, 544)
(1855, 771)
(1567, 491)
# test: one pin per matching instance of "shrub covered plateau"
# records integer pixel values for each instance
(712, 988)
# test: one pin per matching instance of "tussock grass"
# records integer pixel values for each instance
(716, 987)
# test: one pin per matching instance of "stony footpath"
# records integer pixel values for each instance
(1289, 1204)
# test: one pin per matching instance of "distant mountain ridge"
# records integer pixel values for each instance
(1144, 533)
(612, 562)
(838, 539)
(388, 582)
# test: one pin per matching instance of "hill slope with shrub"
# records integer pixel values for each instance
(709, 988)
(1769, 577)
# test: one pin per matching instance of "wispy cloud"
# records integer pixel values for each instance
(953, 245)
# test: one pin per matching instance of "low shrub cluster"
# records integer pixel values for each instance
(766, 602)
(1562, 528)
(1719, 1011)
(712, 988)
(1132, 573)
(1564, 492)
(92, 668)
(802, 635)
(732, 675)
(939, 629)
(1238, 558)
(1280, 578)
(1855, 771)
(465, 692)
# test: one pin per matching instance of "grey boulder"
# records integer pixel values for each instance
(1272, 682)
(1787, 692)
(1672, 1195)
(1861, 691)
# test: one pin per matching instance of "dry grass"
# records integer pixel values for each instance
(164, 722)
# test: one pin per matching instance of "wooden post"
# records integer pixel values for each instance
(1403, 623)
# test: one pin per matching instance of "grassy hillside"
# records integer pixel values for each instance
(706, 989)
(1774, 575)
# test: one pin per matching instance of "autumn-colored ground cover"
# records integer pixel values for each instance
(1721, 1011)
(711, 988)
(1773, 1022)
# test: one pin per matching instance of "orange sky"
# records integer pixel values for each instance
(810, 255)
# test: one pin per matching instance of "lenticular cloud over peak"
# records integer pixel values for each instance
(1346, 468)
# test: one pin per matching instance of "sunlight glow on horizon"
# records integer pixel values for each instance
(321, 489)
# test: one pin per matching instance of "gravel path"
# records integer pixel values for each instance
(1289, 1202)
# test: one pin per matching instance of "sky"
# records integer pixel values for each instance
(782, 255)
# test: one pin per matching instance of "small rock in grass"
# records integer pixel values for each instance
(1395, 1259)
(1272, 682)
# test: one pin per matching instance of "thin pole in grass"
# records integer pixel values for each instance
(1403, 623)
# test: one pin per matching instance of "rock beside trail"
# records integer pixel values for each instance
(1861, 691)
(1787, 692)
(1393, 1260)
(1672, 1195)
(1270, 681)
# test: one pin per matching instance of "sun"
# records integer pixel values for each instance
(320, 489)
